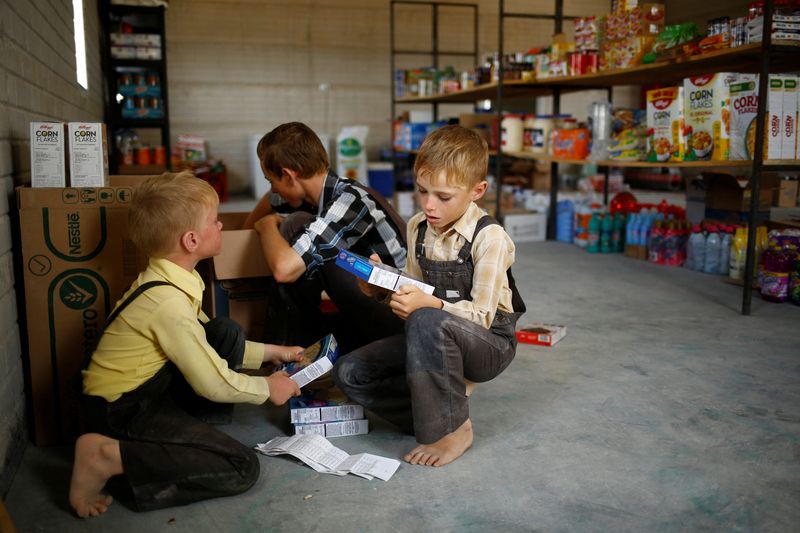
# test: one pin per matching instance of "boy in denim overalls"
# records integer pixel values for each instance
(461, 334)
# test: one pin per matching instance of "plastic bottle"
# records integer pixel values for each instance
(696, 241)
(761, 247)
(564, 219)
(738, 251)
(593, 241)
(672, 244)
(655, 243)
(630, 226)
(582, 216)
(606, 229)
(618, 234)
(644, 235)
(511, 133)
(775, 276)
(713, 242)
(725, 250)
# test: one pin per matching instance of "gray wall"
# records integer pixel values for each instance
(37, 82)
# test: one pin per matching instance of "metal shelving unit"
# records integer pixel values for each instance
(435, 53)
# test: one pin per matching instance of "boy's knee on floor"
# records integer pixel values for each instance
(250, 471)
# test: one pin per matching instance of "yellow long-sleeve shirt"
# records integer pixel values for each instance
(161, 325)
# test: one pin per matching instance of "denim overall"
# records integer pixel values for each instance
(416, 380)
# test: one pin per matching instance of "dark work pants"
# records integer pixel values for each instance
(170, 457)
(416, 380)
(362, 318)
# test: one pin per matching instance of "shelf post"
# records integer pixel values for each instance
(551, 212)
(498, 138)
(758, 158)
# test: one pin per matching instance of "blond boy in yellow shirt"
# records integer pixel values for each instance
(157, 345)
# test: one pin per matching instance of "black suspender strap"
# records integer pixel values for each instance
(121, 307)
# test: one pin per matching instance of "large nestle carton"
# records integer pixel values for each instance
(789, 117)
(48, 168)
(77, 262)
(235, 279)
(88, 154)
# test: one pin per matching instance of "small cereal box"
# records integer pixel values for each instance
(541, 334)
(707, 116)
(789, 117)
(48, 168)
(665, 140)
(88, 154)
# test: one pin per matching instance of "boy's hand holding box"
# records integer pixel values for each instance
(317, 360)
(378, 274)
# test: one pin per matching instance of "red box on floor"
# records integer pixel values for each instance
(541, 334)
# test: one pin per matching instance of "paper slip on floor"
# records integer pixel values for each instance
(318, 453)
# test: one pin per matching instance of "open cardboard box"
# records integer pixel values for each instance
(235, 284)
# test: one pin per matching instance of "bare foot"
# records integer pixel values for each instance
(97, 458)
(443, 451)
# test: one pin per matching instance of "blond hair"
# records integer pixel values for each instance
(294, 146)
(460, 153)
(164, 207)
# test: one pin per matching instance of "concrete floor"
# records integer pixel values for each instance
(663, 409)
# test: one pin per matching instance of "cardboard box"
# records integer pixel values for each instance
(789, 117)
(235, 285)
(318, 359)
(334, 429)
(785, 194)
(48, 167)
(325, 405)
(378, 274)
(77, 261)
(526, 227)
(88, 154)
(731, 193)
(541, 334)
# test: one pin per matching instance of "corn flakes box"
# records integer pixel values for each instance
(744, 108)
(665, 141)
(707, 116)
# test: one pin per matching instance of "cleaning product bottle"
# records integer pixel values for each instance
(711, 264)
(606, 229)
(582, 216)
(618, 233)
(630, 234)
(696, 244)
(655, 243)
(738, 251)
(761, 247)
(725, 250)
(593, 240)
(644, 235)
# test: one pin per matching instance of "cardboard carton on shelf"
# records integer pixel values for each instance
(785, 194)
(77, 262)
(725, 191)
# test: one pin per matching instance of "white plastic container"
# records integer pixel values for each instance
(511, 136)
(542, 126)
(528, 126)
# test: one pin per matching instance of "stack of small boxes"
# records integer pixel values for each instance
(87, 154)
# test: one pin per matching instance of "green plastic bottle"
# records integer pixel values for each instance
(618, 234)
(606, 229)
(593, 245)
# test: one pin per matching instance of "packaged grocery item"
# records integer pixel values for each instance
(351, 153)
(88, 154)
(511, 133)
(48, 168)
(744, 106)
(665, 124)
(789, 117)
(772, 132)
(707, 116)
(570, 144)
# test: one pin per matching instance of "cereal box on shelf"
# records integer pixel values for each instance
(707, 117)
(665, 124)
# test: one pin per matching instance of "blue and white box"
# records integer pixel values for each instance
(378, 274)
(317, 360)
